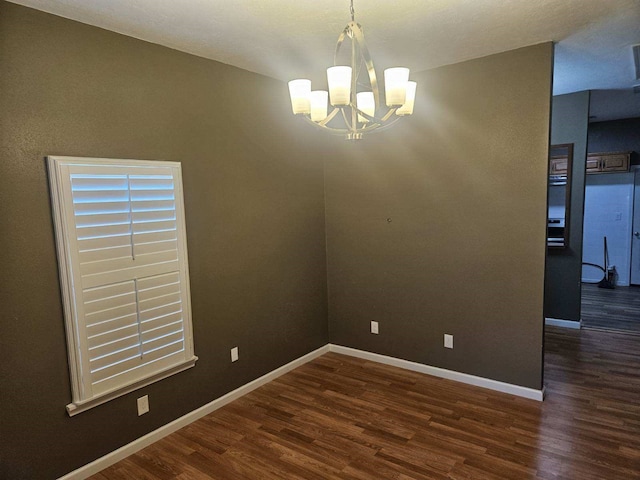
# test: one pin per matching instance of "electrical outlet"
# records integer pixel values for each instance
(234, 354)
(143, 405)
(374, 327)
(448, 341)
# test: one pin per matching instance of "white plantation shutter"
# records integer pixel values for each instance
(123, 264)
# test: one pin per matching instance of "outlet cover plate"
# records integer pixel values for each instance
(234, 354)
(143, 405)
(448, 341)
(374, 327)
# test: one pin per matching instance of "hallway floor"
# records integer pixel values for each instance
(611, 309)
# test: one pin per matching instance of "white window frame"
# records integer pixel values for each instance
(75, 285)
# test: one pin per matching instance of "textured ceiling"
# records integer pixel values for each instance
(291, 38)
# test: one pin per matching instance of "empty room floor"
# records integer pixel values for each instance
(346, 418)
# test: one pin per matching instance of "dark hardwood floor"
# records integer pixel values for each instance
(345, 418)
(611, 309)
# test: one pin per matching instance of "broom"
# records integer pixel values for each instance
(605, 283)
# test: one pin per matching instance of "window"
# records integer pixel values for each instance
(122, 253)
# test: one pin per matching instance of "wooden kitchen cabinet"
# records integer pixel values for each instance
(558, 165)
(593, 163)
(608, 162)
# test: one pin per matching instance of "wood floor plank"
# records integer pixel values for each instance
(611, 309)
(346, 418)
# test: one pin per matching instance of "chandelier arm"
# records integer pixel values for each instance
(333, 130)
(368, 61)
(351, 127)
(339, 43)
(389, 113)
(380, 126)
(329, 117)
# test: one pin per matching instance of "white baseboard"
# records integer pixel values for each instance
(558, 322)
(442, 373)
(151, 437)
(146, 440)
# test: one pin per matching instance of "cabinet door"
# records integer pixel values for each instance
(615, 162)
(558, 166)
(593, 163)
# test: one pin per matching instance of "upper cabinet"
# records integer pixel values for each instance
(558, 164)
(608, 162)
(596, 163)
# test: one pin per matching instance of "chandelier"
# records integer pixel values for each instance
(357, 112)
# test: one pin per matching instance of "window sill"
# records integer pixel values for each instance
(78, 407)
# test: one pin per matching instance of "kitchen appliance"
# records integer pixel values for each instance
(555, 231)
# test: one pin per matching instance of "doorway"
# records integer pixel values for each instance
(612, 210)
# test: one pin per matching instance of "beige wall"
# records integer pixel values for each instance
(438, 226)
(254, 211)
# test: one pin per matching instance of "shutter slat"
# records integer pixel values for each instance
(115, 289)
(105, 254)
(108, 301)
(149, 306)
(99, 182)
(102, 278)
(102, 219)
(150, 282)
(146, 216)
(144, 238)
(162, 182)
(161, 332)
(113, 335)
(160, 311)
(81, 209)
(163, 343)
(153, 206)
(99, 197)
(104, 242)
(156, 247)
(113, 359)
(154, 227)
(122, 264)
(103, 231)
(149, 195)
(157, 322)
(113, 323)
(127, 342)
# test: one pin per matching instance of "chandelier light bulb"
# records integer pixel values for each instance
(300, 92)
(319, 101)
(365, 102)
(395, 85)
(407, 108)
(339, 79)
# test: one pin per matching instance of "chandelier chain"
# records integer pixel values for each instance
(353, 12)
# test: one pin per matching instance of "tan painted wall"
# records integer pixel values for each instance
(254, 211)
(439, 225)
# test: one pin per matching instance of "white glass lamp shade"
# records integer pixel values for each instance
(395, 85)
(339, 79)
(300, 92)
(407, 108)
(319, 101)
(366, 103)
